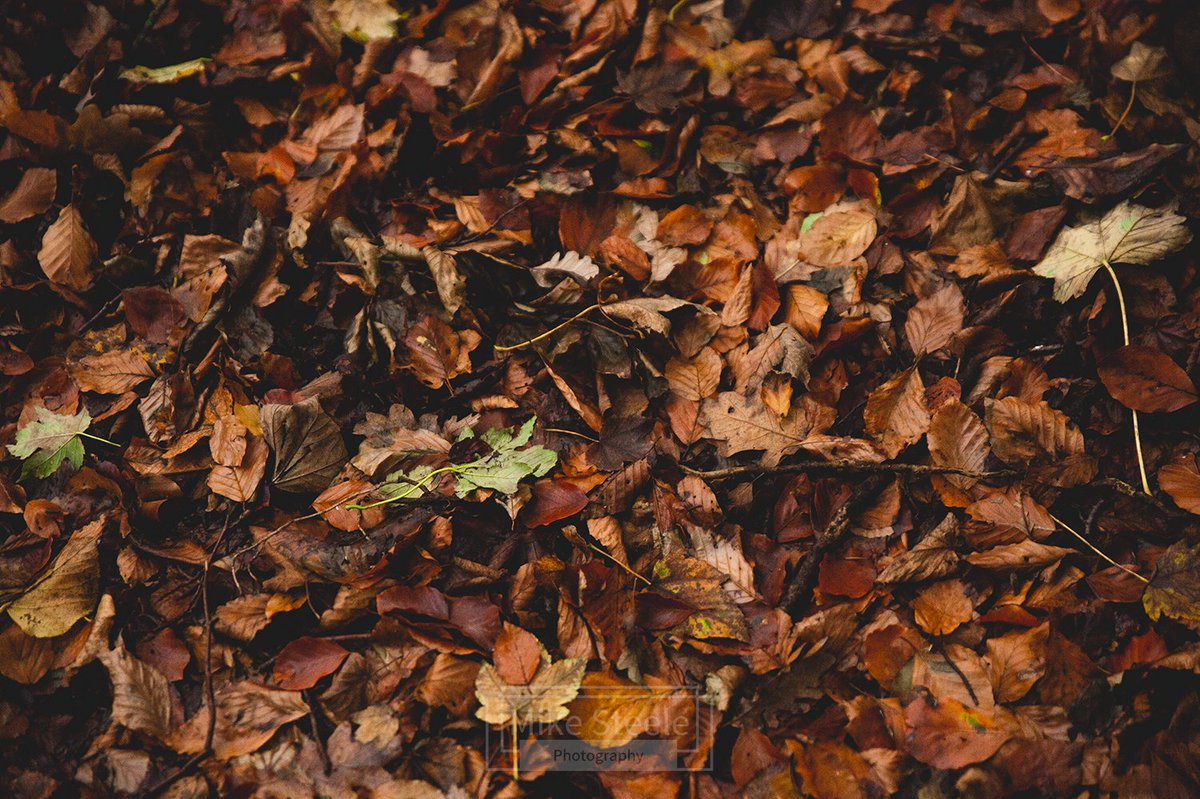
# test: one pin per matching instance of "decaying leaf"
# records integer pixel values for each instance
(542, 700)
(66, 591)
(1174, 590)
(308, 446)
(1127, 234)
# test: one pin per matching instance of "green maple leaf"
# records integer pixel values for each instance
(1128, 234)
(509, 462)
(49, 440)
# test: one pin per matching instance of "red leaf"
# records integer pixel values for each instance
(305, 661)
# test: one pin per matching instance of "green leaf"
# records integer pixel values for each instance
(1128, 234)
(500, 470)
(49, 440)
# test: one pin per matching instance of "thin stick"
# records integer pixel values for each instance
(414, 487)
(1089, 545)
(1125, 113)
(867, 467)
(1137, 433)
(98, 438)
(548, 333)
(601, 552)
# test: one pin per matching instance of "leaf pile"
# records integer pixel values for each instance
(808, 388)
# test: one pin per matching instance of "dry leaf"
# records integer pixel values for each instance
(897, 414)
(934, 320)
(308, 446)
(31, 196)
(66, 591)
(68, 251)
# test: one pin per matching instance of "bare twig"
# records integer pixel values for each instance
(847, 466)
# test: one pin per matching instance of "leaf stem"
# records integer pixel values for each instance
(1124, 114)
(1137, 433)
(98, 438)
(1089, 545)
(548, 333)
(411, 489)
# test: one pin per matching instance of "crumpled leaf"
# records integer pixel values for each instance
(48, 440)
(933, 556)
(543, 700)
(1174, 590)
(66, 591)
(897, 413)
(308, 446)
(141, 693)
(1127, 234)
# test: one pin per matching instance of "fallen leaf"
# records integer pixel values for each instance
(897, 414)
(943, 607)
(68, 251)
(112, 372)
(934, 320)
(738, 423)
(1146, 380)
(32, 195)
(949, 735)
(1181, 480)
(1174, 589)
(66, 591)
(438, 352)
(308, 446)
(543, 700)
(1127, 234)
(365, 19)
(932, 556)
(836, 239)
(305, 660)
(957, 439)
(48, 440)
(141, 694)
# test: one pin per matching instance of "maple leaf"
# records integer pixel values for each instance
(542, 701)
(1128, 234)
(509, 462)
(50, 439)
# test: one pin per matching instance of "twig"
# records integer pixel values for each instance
(854, 467)
(957, 670)
(548, 333)
(805, 575)
(210, 692)
(1090, 546)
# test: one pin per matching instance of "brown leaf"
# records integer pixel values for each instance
(308, 446)
(439, 353)
(305, 660)
(613, 711)
(112, 372)
(1022, 555)
(949, 735)
(897, 414)
(942, 607)
(248, 715)
(695, 379)
(141, 694)
(1006, 517)
(23, 658)
(933, 556)
(1146, 379)
(1017, 661)
(392, 438)
(957, 439)
(805, 309)
(1033, 432)
(31, 196)
(240, 483)
(934, 320)
(68, 251)
(517, 655)
(838, 238)
(700, 587)
(739, 423)
(1181, 480)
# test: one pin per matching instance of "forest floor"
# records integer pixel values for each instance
(799, 393)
